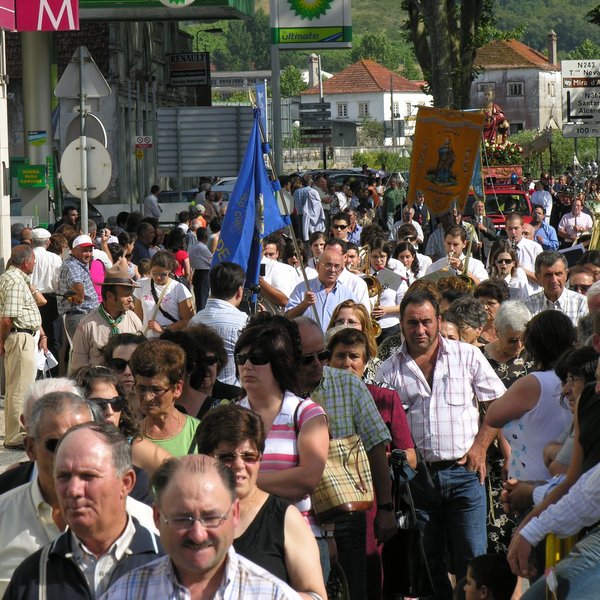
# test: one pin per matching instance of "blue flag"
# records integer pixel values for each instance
(252, 212)
(477, 180)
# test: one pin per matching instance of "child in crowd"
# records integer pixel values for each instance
(489, 578)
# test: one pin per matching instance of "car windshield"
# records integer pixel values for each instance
(506, 203)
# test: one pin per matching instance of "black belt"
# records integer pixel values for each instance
(438, 465)
(22, 330)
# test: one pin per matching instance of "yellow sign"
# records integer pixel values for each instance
(139, 154)
(445, 147)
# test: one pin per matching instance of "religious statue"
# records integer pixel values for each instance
(495, 127)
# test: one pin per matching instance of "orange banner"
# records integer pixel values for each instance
(445, 145)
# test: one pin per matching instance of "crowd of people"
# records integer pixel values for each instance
(176, 431)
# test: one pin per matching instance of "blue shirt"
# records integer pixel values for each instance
(549, 239)
(326, 302)
(354, 236)
(74, 271)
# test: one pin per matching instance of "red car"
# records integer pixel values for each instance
(500, 201)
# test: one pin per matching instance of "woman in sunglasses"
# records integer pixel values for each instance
(504, 263)
(271, 532)
(268, 356)
(102, 387)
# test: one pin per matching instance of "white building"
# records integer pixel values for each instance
(367, 89)
(526, 84)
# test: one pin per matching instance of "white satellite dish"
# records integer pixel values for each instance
(98, 172)
(93, 129)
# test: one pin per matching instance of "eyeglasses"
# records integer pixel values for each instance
(117, 403)
(118, 364)
(408, 238)
(504, 261)
(256, 358)
(320, 356)
(229, 457)
(160, 274)
(332, 267)
(339, 227)
(185, 522)
(346, 322)
(153, 390)
(51, 444)
(211, 360)
(581, 288)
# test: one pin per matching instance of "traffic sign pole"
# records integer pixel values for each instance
(83, 145)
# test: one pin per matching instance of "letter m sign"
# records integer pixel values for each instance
(47, 15)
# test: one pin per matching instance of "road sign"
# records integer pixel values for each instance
(581, 91)
(143, 141)
(32, 176)
(577, 130)
(92, 84)
(315, 106)
(99, 168)
(139, 154)
(189, 68)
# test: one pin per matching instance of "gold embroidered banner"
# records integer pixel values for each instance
(445, 145)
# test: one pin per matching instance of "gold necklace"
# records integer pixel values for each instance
(146, 434)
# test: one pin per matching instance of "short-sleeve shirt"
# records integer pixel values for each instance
(16, 300)
(180, 444)
(74, 271)
(176, 293)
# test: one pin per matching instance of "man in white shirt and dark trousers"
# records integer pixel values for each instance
(442, 381)
(527, 250)
(200, 258)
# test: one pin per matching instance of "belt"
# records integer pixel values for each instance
(22, 330)
(438, 465)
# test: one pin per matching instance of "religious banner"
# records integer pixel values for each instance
(47, 15)
(446, 144)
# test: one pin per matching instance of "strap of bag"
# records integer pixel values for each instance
(158, 303)
(42, 593)
(355, 449)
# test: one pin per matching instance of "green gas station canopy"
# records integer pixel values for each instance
(147, 10)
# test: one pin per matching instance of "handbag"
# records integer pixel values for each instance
(409, 576)
(346, 485)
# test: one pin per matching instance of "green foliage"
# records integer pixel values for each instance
(291, 82)
(370, 133)
(392, 160)
(586, 50)
(379, 47)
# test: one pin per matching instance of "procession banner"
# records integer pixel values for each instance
(445, 147)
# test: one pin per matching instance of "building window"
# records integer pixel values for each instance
(342, 110)
(515, 88)
(515, 128)
(484, 86)
(395, 110)
(363, 109)
(551, 89)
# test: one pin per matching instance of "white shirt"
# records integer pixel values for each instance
(528, 251)
(45, 270)
(100, 255)
(281, 276)
(443, 418)
(570, 221)
(357, 285)
(475, 267)
(545, 199)
(176, 293)
(151, 207)
(573, 304)
(394, 230)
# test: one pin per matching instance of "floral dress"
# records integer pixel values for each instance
(500, 526)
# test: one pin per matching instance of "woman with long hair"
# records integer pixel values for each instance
(406, 253)
(504, 263)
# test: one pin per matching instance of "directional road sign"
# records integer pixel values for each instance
(577, 130)
(581, 91)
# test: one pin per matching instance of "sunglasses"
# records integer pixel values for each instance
(117, 403)
(51, 444)
(504, 261)
(320, 356)
(339, 226)
(118, 364)
(256, 358)
(211, 360)
(229, 457)
(580, 287)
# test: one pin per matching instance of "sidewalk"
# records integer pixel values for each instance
(7, 457)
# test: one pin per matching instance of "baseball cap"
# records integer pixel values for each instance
(83, 241)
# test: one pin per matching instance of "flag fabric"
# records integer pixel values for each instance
(252, 212)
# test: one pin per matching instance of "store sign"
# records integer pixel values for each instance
(7, 14)
(47, 15)
(320, 24)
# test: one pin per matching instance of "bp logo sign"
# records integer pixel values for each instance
(310, 9)
(176, 3)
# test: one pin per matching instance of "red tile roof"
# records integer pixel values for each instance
(363, 77)
(511, 54)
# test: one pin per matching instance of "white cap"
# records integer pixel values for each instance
(82, 240)
(39, 233)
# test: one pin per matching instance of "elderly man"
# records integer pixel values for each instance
(76, 294)
(221, 312)
(30, 515)
(324, 292)
(442, 382)
(93, 478)
(113, 316)
(486, 231)
(196, 512)
(20, 322)
(407, 219)
(351, 410)
(551, 272)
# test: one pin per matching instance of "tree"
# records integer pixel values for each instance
(586, 50)
(444, 36)
(370, 133)
(291, 82)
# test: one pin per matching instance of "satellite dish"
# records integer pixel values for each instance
(93, 129)
(99, 168)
